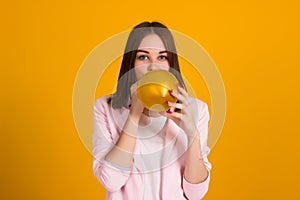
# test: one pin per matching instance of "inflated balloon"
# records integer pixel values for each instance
(153, 89)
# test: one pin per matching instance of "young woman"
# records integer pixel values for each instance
(142, 154)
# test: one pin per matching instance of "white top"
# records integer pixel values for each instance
(132, 183)
(149, 161)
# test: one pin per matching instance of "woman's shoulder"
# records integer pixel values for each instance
(103, 98)
(103, 101)
(200, 108)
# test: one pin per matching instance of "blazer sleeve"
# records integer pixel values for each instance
(198, 191)
(112, 177)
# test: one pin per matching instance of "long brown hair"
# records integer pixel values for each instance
(127, 76)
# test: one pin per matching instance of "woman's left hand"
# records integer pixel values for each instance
(184, 116)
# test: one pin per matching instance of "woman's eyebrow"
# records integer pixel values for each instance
(144, 51)
(163, 52)
(140, 50)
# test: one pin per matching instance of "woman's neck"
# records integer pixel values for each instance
(147, 114)
(151, 113)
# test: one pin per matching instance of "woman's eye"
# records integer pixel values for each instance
(142, 57)
(163, 58)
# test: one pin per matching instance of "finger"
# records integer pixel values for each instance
(179, 96)
(182, 91)
(174, 115)
(175, 105)
(172, 109)
(133, 88)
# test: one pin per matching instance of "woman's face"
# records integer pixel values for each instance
(151, 55)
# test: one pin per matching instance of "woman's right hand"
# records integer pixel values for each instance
(136, 108)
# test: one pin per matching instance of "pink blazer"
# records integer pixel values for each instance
(128, 184)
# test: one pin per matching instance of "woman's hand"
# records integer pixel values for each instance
(184, 117)
(136, 108)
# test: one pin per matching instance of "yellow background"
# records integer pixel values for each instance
(255, 45)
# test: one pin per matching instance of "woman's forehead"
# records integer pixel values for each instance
(152, 41)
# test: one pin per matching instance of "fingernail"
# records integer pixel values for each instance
(168, 103)
(169, 111)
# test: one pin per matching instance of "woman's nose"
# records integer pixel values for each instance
(152, 66)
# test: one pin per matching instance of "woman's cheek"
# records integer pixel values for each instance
(140, 71)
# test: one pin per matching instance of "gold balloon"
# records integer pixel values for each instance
(153, 89)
